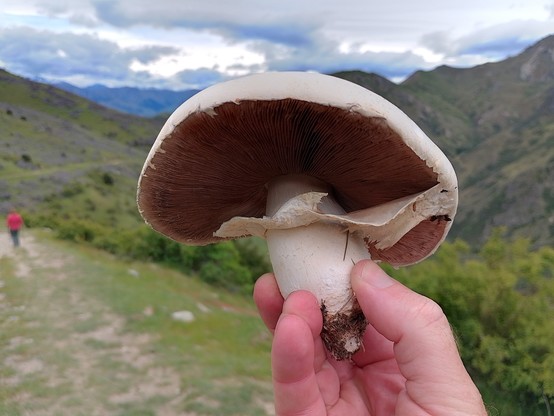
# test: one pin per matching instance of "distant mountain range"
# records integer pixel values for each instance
(141, 102)
(494, 121)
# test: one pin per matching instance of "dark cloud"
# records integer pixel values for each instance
(113, 13)
(286, 34)
(147, 54)
(493, 42)
(74, 11)
(197, 79)
(57, 56)
(496, 48)
(281, 30)
(325, 56)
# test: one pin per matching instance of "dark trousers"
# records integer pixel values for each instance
(15, 237)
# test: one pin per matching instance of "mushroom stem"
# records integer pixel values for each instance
(318, 258)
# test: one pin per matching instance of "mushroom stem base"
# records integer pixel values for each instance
(342, 332)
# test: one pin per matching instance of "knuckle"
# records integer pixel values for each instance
(430, 313)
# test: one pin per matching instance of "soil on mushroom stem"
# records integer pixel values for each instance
(341, 328)
(85, 333)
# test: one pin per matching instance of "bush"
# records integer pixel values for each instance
(254, 256)
(500, 302)
(107, 179)
(78, 230)
(72, 189)
(222, 266)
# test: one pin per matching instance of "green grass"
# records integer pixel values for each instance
(50, 100)
(221, 359)
(226, 343)
(225, 335)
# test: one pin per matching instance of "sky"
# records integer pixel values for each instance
(190, 44)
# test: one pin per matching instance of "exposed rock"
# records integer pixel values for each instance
(183, 316)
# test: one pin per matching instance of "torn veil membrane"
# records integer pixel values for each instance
(381, 226)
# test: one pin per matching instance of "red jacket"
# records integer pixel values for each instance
(14, 221)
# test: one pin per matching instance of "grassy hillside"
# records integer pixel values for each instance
(63, 154)
(65, 106)
(505, 159)
(84, 333)
(496, 124)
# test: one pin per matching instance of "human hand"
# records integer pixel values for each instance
(409, 364)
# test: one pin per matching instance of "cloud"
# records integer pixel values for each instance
(489, 43)
(324, 55)
(192, 44)
(195, 79)
(147, 54)
(35, 53)
(282, 39)
(496, 48)
(286, 34)
(78, 12)
(216, 17)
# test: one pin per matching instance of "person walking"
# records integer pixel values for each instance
(14, 221)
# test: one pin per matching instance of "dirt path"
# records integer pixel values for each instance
(63, 353)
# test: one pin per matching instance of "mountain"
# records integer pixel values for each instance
(142, 102)
(56, 147)
(496, 124)
(503, 142)
(494, 121)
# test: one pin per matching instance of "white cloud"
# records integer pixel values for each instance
(550, 9)
(35, 53)
(180, 43)
(487, 44)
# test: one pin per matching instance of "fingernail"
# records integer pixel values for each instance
(375, 276)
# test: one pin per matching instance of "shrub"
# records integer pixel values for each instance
(107, 179)
(222, 266)
(78, 230)
(500, 302)
(72, 189)
(254, 256)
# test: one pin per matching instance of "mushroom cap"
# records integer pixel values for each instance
(217, 152)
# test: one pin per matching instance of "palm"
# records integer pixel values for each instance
(369, 384)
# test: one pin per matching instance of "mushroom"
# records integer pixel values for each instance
(328, 172)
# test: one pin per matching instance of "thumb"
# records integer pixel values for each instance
(424, 345)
